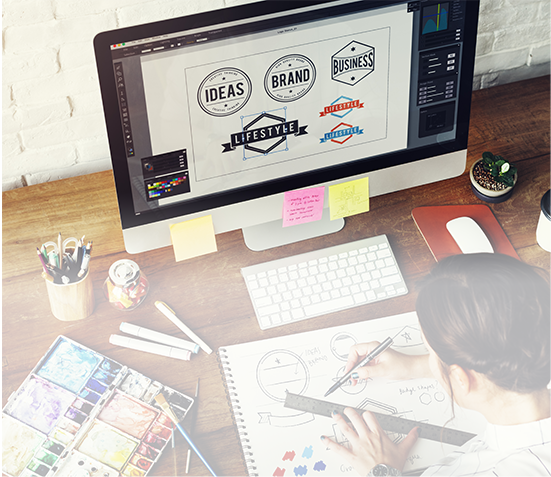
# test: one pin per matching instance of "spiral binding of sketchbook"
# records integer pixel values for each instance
(237, 415)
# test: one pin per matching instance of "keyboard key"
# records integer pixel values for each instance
(268, 310)
(259, 293)
(389, 271)
(359, 298)
(267, 300)
(390, 280)
(327, 306)
(383, 253)
(297, 313)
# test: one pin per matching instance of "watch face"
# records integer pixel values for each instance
(380, 469)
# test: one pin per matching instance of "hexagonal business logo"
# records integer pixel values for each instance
(264, 134)
(224, 92)
(353, 63)
(290, 78)
(341, 133)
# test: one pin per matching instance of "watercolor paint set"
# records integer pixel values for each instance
(79, 413)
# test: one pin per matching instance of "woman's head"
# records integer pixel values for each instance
(489, 313)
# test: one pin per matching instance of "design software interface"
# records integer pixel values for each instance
(210, 110)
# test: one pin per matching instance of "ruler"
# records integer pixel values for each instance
(387, 422)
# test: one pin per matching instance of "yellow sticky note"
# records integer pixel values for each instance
(349, 198)
(192, 238)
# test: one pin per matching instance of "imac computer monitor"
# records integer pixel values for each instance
(220, 113)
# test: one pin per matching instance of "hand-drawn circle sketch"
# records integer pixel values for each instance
(282, 371)
(340, 345)
(439, 396)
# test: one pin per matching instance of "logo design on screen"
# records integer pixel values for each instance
(341, 107)
(341, 133)
(224, 92)
(265, 134)
(353, 63)
(290, 78)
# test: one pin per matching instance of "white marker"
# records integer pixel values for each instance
(165, 310)
(149, 347)
(148, 334)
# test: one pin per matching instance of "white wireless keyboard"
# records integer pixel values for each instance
(323, 281)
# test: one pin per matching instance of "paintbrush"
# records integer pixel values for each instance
(165, 406)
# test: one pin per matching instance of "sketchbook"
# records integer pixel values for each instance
(80, 413)
(279, 442)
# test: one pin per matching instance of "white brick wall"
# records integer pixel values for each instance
(52, 123)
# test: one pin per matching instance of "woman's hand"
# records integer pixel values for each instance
(369, 445)
(390, 364)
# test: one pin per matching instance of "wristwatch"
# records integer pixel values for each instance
(383, 469)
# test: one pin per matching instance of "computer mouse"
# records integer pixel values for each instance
(469, 236)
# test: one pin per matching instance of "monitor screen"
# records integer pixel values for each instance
(224, 107)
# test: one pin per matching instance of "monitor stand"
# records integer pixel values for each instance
(273, 234)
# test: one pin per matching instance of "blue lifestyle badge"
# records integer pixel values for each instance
(341, 133)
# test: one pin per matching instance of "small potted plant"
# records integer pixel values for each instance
(493, 178)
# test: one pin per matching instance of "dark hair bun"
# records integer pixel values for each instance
(489, 313)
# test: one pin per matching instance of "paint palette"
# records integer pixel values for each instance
(79, 413)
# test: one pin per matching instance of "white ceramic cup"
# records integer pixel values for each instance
(543, 231)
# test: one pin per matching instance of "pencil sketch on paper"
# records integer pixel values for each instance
(281, 371)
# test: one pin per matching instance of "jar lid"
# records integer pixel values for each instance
(545, 206)
(123, 272)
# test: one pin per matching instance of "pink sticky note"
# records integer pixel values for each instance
(301, 206)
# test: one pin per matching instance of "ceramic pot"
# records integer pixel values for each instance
(488, 195)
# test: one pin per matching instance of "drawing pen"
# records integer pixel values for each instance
(85, 260)
(191, 422)
(165, 310)
(371, 356)
(41, 258)
(148, 334)
(161, 400)
(60, 251)
(148, 347)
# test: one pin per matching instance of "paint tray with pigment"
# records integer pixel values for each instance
(81, 413)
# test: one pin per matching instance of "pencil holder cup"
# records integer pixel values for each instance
(73, 301)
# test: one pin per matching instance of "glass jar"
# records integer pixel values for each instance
(126, 286)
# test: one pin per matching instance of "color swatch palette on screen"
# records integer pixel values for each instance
(80, 413)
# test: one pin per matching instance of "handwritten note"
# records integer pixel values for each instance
(349, 198)
(302, 206)
(192, 238)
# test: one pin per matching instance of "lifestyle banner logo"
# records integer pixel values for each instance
(267, 137)
(224, 92)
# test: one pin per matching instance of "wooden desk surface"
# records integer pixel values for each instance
(208, 291)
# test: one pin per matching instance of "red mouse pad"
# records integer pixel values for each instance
(432, 220)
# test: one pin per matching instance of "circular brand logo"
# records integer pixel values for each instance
(290, 78)
(224, 92)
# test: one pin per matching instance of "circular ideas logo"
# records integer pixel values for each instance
(290, 78)
(224, 92)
